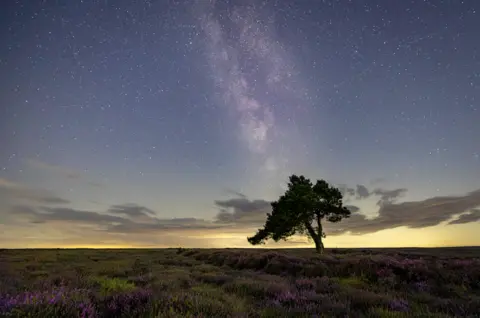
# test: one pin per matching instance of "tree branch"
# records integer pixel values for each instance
(319, 223)
(310, 230)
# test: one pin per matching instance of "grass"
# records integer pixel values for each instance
(353, 281)
(240, 283)
(112, 285)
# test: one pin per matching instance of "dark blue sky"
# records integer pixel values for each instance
(172, 106)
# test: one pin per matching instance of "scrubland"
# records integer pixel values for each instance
(442, 282)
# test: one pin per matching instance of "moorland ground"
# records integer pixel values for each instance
(440, 282)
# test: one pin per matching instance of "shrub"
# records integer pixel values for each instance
(112, 285)
(180, 250)
(133, 304)
(56, 302)
(317, 270)
(399, 305)
(215, 279)
(305, 283)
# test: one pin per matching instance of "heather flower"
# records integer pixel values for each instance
(384, 272)
(286, 296)
(463, 262)
(293, 298)
(138, 301)
(325, 285)
(421, 286)
(51, 299)
(413, 263)
(277, 288)
(87, 310)
(6, 303)
(304, 283)
(399, 305)
(323, 280)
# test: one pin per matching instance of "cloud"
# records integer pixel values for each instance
(52, 200)
(353, 208)
(96, 202)
(388, 196)
(68, 173)
(243, 214)
(48, 214)
(377, 181)
(16, 191)
(362, 192)
(131, 210)
(242, 211)
(417, 214)
(127, 218)
(472, 216)
(60, 170)
(234, 193)
(164, 225)
(23, 210)
(345, 190)
(134, 212)
(96, 184)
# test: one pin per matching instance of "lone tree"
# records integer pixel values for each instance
(301, 210)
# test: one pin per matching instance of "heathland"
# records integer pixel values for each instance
(441, 282)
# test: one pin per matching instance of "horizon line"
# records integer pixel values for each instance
(232, 248)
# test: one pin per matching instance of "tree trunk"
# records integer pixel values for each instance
(320, 235)
(317, 238)
(318, 244)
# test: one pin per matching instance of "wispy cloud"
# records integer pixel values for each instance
(176, 225)
(378, 181)
(62, 171)
(16, 191)
(124, 218)
(242, 211)
(234, 193)
(134, 212)
(131, 210)
(416, 214)
(241, 214)
(96, 184)
(49, 214)
(346, 190)
(471, 216)
(362, 192)
(68, 173)
(388, 196)
(353, 208)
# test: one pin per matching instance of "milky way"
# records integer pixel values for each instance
(251, 69)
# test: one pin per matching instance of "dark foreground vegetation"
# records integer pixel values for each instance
(240, 283)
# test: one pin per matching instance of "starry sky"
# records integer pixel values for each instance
(175, 123)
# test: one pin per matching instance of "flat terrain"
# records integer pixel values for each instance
(440, 282)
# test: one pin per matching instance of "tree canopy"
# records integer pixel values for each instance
(300, 210)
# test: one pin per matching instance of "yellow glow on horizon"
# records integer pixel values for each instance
(100, 246)
(437, 236)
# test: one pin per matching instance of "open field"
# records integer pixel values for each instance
(441, 282)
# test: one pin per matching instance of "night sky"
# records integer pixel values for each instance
(174, 123)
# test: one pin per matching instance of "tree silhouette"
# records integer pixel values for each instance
(301, 210)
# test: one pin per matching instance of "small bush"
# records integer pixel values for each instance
(112, 285)
(181, 250)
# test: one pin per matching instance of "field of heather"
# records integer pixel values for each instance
(240, 283)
